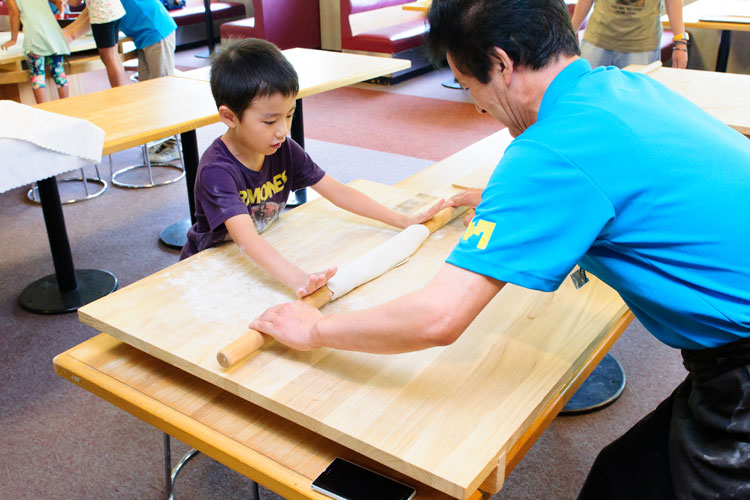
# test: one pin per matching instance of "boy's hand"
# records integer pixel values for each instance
(427, 214)
(291, 324)
(311, 282)
(7, 44)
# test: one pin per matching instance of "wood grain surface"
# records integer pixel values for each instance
(174, 105)
(444, 416)
(725, 96)
(321, 70)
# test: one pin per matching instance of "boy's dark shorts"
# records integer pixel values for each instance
(106, 34)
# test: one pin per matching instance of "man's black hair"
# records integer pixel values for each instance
(531, 32)
(245, 69)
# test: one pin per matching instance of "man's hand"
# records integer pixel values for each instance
(7, 44)
(291, 324)
(470, 198)
(308, 283)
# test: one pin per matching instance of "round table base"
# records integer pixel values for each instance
(452, 84)
(602, 388)
(175, 235)
(44, 296)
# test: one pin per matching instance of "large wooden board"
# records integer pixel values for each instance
(444, 416)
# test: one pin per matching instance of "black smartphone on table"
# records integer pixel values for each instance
(344, 480)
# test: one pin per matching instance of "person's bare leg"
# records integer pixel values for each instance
(63, 92)
(40, 95)
(111, 59)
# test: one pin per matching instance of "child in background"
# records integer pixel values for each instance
(246, 175)
(104, 17)
(43, 40)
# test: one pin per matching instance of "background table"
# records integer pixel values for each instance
(565, 334)
(130, 116)
(722, 95)
(15, 82)
(724, 15)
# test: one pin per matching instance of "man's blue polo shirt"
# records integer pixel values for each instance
(146, 21)
(637, 185)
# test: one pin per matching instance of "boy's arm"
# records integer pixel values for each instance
(15, 23)
(242, 230)
(80, 26)
(350, 199)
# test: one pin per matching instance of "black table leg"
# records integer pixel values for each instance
(298, 134)
(68, 289)
(209, 19)
(723, 56)
(175, 235)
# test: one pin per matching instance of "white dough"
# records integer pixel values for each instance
(377, 261)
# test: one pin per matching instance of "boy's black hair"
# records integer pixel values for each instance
(245, 69)
(531, 32)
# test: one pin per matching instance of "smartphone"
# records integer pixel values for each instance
(344, 480)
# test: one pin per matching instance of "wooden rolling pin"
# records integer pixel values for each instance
(233, 353)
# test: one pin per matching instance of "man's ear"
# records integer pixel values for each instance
(502, 64)
(227, 116)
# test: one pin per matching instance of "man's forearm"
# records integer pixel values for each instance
(431, 316)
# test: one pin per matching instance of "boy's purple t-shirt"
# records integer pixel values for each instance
(224, 187)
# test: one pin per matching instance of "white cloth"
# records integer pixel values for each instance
(36, 144)
(377, 261)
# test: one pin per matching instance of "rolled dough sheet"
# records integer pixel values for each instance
(377, 261)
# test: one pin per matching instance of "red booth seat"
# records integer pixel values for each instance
(286, 23)
(398, 31)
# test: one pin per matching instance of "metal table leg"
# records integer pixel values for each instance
(175, 235)
(68, 289)
(170, 473)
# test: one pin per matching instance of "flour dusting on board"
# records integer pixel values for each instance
(236, 292)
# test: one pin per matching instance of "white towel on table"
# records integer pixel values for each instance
(36, 144)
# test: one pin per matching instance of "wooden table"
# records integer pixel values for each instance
(724, 15)
(536, 356)
(420, 5)
(318, 71)
(130, 115)
(722, 95)
(15, 80)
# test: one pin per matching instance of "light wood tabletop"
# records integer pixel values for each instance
(132, 115)
(724, 15)
(716, 14)
(321, 70)
(420, 5)
(722, 95)
(522, 358)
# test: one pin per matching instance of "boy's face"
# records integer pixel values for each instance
(264, 124)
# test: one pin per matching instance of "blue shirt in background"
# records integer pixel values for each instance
(637, 185)
(146, 21)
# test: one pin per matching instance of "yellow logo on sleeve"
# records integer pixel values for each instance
(481, 228)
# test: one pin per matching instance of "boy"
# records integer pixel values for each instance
(246, 175)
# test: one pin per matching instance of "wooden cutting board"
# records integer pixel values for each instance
(444, 416)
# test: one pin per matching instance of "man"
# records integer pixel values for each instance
(611, 171)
